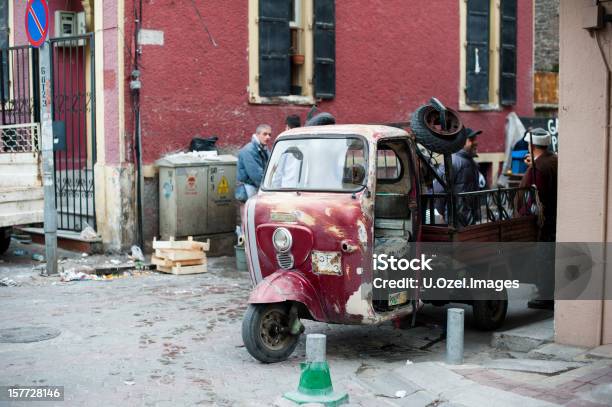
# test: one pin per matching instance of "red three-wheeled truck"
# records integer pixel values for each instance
(333, 197)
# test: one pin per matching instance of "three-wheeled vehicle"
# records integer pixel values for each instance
(332, 196)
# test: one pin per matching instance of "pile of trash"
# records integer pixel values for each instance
(79, 273)
(7, 282)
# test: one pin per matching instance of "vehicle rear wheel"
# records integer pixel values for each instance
(5, 239)
(490, 314)
(425, 124)
(266, 332)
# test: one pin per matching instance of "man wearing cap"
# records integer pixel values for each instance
(465, 178)
(542, 173)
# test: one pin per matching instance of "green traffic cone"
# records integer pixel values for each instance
(315, 381)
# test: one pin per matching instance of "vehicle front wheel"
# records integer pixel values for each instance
(266, 332)
(490, 314)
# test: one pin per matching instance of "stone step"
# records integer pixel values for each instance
(526, 337)
(433, 383)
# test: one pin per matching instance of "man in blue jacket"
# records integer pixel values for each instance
(252, 160)
(465, 179)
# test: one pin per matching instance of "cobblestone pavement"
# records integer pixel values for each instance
(161, 340)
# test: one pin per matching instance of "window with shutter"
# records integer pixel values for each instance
(477, 51)
(324, 49)
(274, 44)
(507, 85)
(292, 51)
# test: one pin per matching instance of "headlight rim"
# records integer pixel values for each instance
(289, 239)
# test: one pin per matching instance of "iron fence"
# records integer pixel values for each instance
(472, 208)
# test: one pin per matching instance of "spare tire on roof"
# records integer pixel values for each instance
(321, 119)
(426, 126)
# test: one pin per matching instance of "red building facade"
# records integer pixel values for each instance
(223, 67)
(390, 57)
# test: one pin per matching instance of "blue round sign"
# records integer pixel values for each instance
(37, 22)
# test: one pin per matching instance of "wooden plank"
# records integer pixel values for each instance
(546, 88)
(169, 263)
(188, 244)
(17, 194)
(176, 255)
(23, 218)
(182, 270)
(435, 233)
(18, 158)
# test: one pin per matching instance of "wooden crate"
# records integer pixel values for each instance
(180, 256)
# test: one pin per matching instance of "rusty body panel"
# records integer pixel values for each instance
(327, 233)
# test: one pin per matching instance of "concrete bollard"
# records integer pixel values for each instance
(315, 347)
(454, 336)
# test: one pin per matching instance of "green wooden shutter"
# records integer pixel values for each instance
(507, 85)
(477, 53)
(274, 44)
(324, 49)
(4, 43)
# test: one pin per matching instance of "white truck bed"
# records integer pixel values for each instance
(21, 189)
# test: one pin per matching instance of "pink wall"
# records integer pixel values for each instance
(391, 57)
(584, 210)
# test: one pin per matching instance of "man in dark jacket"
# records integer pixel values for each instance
(542, 172)
(465, 179)
(252, 160)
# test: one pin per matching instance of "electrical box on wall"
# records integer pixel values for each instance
(65, 24)
(70, 24)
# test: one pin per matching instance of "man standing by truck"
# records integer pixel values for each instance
(252, 160)
(542, 172)
(465, 179)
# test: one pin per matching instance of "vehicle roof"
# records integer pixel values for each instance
(372, 132)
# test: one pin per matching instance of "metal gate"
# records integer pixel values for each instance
(74, 130)
(73, 85)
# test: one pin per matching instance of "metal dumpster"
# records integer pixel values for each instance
(196, 194)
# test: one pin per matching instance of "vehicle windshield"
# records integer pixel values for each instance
(317, 164)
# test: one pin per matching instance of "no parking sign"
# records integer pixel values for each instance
(37, 22)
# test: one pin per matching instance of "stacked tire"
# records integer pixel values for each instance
(426, 126)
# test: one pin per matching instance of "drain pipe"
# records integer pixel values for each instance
(135, 86)
(606, 173)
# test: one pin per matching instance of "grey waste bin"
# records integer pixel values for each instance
(196, 194)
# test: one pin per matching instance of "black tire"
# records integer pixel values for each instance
(490, 314)
(5, 239)
(448, 143)
(265, 332)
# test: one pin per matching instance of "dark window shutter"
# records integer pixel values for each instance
(324, 49)
(477, 64)
(507, 85)
(4, 43)
(274, 44)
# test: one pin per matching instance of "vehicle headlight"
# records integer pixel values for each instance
(281, 239)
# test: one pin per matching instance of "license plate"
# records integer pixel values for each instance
(327, 263)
